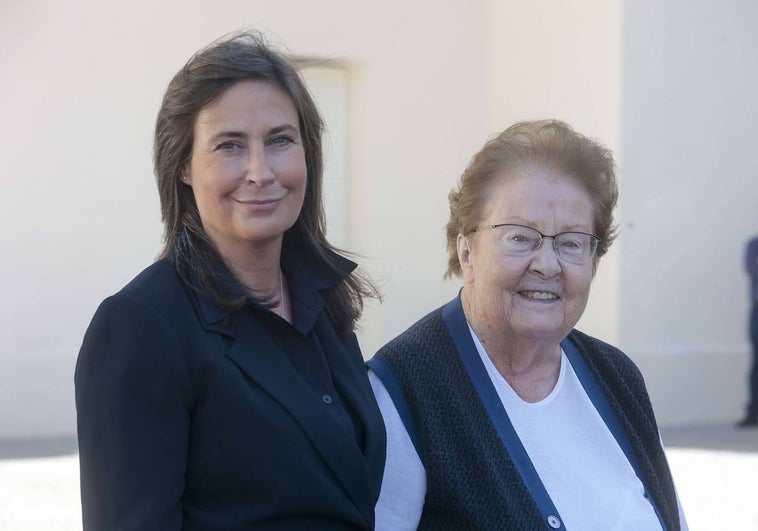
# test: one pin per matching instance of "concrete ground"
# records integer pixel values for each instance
(715, 469)
(716, 473)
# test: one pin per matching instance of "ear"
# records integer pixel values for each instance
(186, 178)
(464, 252)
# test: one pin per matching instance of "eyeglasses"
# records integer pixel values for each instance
(521, 241)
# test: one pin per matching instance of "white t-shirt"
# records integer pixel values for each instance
(582, 467)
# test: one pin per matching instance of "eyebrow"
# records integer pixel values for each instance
(282, 128)
(238, 134)
(226, 134)
(571, 228)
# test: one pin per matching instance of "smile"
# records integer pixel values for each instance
(260, 205)
(259, 201)
(539, 295)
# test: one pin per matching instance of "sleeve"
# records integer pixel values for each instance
(133, 399)
(401, 499)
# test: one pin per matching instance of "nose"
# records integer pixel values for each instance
(545, 261)
(259, 170)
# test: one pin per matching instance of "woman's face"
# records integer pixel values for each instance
(247, 170)
(539, 296)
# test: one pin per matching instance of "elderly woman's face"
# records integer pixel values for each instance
(538, 296)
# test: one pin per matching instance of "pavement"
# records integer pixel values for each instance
(715, 469)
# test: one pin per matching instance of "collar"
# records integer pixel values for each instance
(307, 276)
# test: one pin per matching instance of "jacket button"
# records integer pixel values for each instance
(327, 399)
(553, 521)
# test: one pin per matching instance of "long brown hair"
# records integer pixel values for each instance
(205, 77)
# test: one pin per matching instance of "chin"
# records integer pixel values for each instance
(260, 234)
(543, 332)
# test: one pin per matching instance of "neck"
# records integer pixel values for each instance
(259, 271)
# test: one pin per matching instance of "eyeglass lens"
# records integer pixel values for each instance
(571, 246)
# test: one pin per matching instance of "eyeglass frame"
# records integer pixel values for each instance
(593, 248)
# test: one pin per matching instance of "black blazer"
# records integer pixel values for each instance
(192, 418)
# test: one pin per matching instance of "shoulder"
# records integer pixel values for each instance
(607, 360)
(593, 344)
(155, 282)
(751, 249)
(158, 288)
(141, 333)
(424, 352)
(156, 299)
(419, 337)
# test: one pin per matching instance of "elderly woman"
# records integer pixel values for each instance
(499, 414)
(223, 387)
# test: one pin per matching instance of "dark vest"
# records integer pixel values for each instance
(472, 482)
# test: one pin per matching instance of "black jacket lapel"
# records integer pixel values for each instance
(262, 361)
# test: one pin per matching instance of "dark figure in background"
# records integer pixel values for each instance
(223, 387)
(751, 264)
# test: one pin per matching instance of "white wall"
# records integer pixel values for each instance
(672, 94)
(562, 59)
(690, 190)
(79, 213)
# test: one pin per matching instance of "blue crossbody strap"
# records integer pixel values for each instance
(455, 320)
(388, 378)
(603, 407)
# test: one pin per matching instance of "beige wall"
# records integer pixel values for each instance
(690, 171)
(562, 60)
(428, 82)
(78, 210)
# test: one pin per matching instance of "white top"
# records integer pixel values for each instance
(581, 465)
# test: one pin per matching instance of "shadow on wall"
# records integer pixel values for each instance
(26, 448)
(713, 437)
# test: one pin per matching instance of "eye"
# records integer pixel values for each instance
(520, 236)
(228, 146)
(282, 140)
(571, 242)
